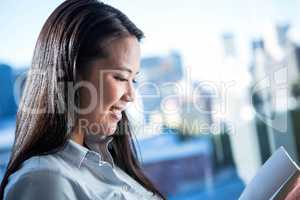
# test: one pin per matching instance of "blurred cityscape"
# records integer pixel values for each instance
(198, 138)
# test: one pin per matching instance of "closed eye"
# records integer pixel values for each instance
(120, 78)
(124, 79)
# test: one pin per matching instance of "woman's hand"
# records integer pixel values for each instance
(294, 190)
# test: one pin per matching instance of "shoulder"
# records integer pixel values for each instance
(51, 163)
(47, 176)
(41, 184)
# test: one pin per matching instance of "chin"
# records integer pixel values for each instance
(110, 130)
(110, 133)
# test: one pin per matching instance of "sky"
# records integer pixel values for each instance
(191, 27)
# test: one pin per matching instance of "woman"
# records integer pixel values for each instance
(72, 135)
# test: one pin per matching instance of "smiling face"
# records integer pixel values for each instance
(110, 86)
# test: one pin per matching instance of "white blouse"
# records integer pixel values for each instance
(76, 173)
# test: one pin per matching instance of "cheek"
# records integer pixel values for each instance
(112, 92)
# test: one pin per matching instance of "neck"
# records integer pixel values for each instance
(78, 136)
(97, 143)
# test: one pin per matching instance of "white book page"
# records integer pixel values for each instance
(270, 177)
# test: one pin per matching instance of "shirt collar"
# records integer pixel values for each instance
(78, 153)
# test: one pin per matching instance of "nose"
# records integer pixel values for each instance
(129, 95)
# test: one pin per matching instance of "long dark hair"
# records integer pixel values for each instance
(73, 35)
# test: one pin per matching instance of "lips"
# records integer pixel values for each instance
(117, 115)
(116, 112)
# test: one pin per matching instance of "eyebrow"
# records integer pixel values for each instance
(126, 69)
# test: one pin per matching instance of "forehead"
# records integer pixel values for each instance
(123, 53)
